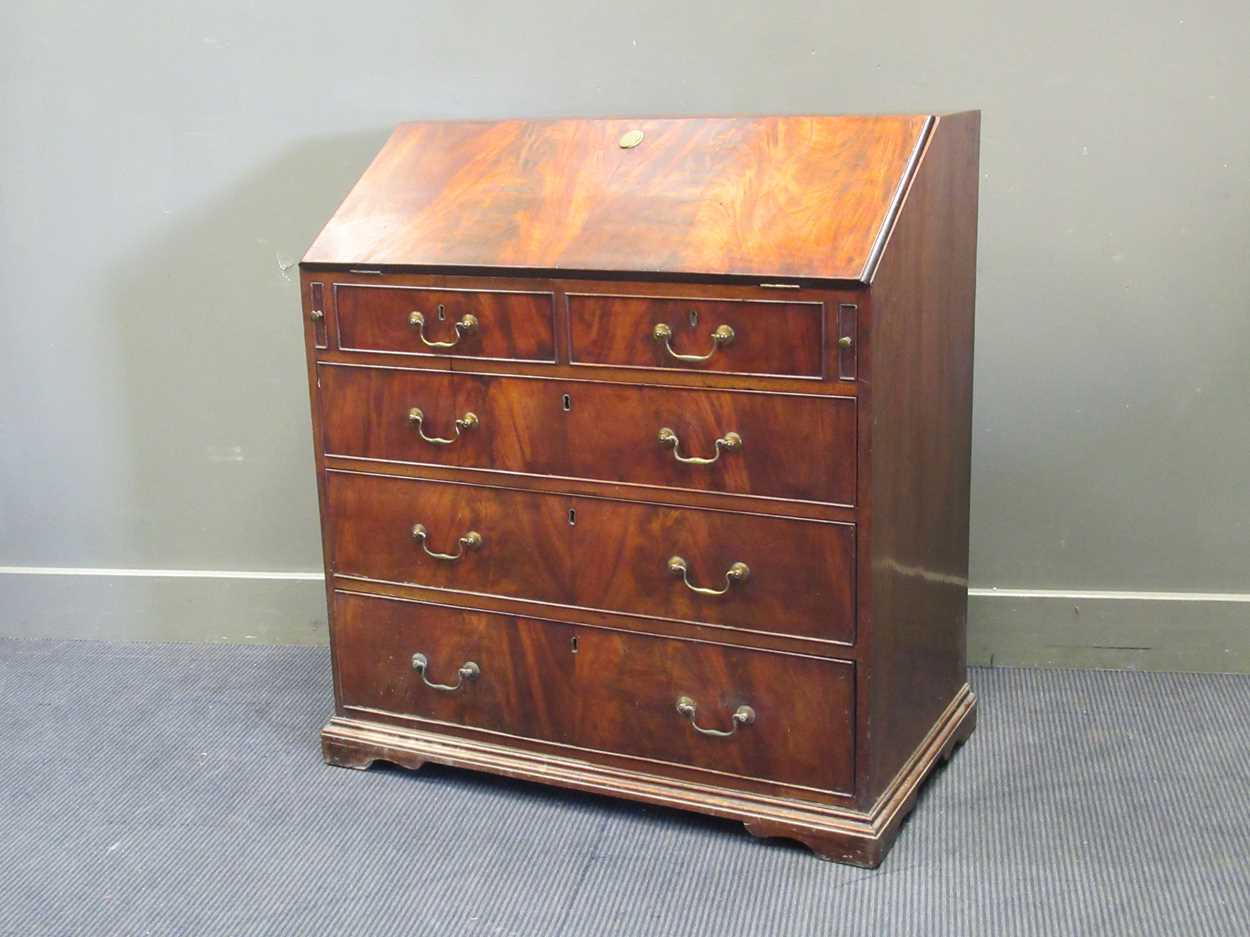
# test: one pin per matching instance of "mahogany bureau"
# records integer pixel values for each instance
(642, 449)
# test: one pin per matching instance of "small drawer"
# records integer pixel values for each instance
(729, 336)
(418, 320)
(788, 446)
(764, 715)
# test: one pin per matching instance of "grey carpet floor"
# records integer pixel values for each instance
(179, 790)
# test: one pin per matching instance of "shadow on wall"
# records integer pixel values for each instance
(210, 345)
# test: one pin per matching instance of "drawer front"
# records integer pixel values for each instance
(778, 575)
(375, 640)
(794, 447)
(417, 320)
(796, 728)
(761, 337)
(521, 548)
(603, 690)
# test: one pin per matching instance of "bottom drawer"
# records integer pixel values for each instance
(767, 715)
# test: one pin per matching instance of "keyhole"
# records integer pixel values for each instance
(572, 517)
(694, 317)
(442, 312)
(573, 644)
(567, 403)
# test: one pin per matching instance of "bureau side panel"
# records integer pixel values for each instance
(922, 303)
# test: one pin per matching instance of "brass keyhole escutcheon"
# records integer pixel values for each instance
(631, 139)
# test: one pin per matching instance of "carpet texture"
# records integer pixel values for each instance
(179, 790)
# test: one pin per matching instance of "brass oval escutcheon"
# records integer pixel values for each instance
(631, 139)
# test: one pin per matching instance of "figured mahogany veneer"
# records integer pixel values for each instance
(752, 196)
(598, 554)
(507, 324)
(545, 681)
(767, 337)
(795, 447)
(643, 466)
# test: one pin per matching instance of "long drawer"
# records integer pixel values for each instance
(743, 571)
(788, 446)
(730, 710)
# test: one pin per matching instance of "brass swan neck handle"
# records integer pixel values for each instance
(742, 716)
(466, 325)
(738, 572)
(468, 671)
(416, 416)
(730, 442)
(663, 332)
(470, 541)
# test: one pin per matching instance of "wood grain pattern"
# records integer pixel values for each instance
(921, 359)
(634, 711)
(620, 621)
(801, 580)
(800, 197)
(797, 447)
(512, 325)
(609, 691)
(770, 338)
(524, 688)
(598, 554)
(848, 499)
(670, 770)
(830, 829)
(564, 289)
(526, 549)
(599, 489)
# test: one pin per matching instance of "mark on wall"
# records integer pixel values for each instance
(225, 454)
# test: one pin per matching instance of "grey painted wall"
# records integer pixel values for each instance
(163, 166)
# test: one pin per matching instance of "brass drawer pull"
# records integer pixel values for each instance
(738, 572)
(743, 716)
(467, 325)
(466, 422)
(723, 335)
(730, 442)
(470, 541)
(468, 671)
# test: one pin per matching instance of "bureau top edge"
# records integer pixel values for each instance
(763, 280)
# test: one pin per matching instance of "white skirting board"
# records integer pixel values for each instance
(1006, 627)
(184, 606)
(1194, 631)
